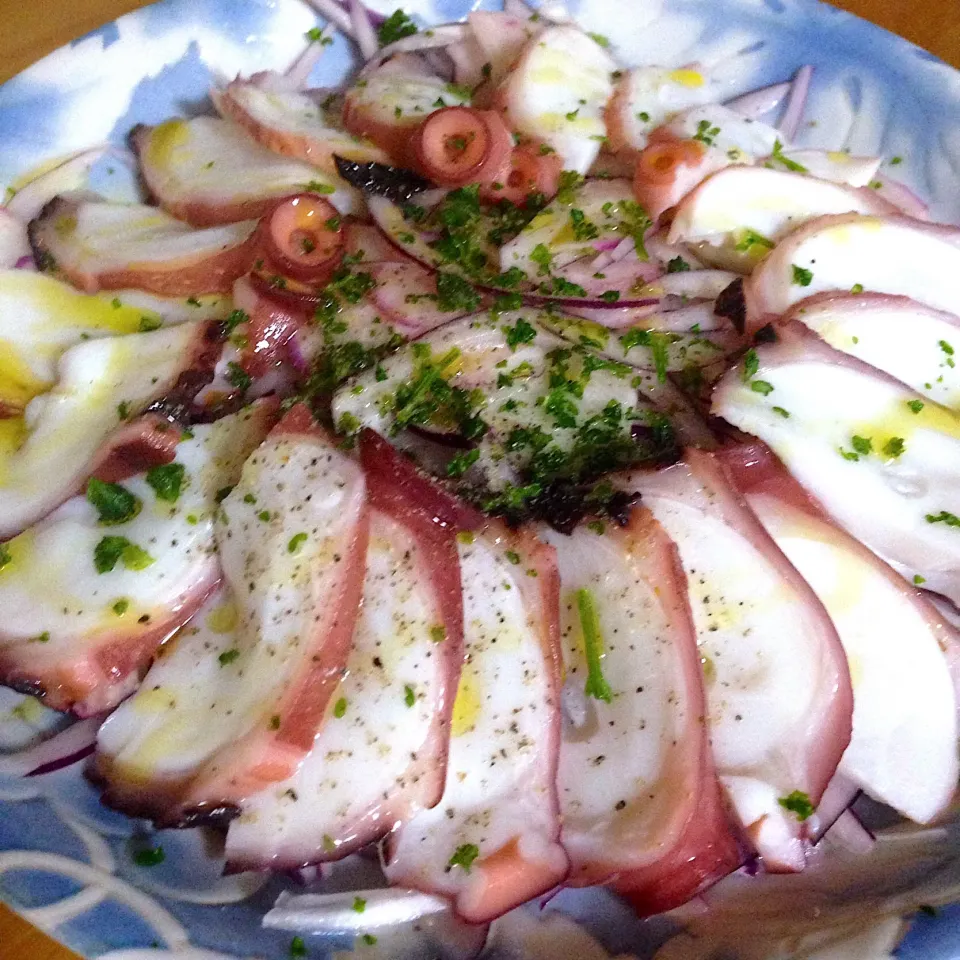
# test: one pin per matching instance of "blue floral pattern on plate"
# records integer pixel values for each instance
(66, 862)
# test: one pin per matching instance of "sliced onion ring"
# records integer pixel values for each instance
(70, 745)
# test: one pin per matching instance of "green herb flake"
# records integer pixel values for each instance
(521, 332)
(409, 696)
(677, 265)
(779, 157)
(455, 293)
(464, 856)
(762, 387)
(917, 579)
(512, 556)
(114, 503)
(570, 181)
(359, 904)
(797, 803)
(782, 412)
(397, 26)
(857, 288)
(582, 228)
(295, 542)
(167, 480)
(596, 685)
(599, 39)
(915, 405)
(894, 447)
(238, 377)
(751, 364)
(369, 939)
(297, 947)
(542, 257)
(862, 445)
(149, 858)
(148, 324)
(438, 632)
(120, 606)
(340, 708)
(228, 656)
(950, 519)
(461, 462)
(801, 276)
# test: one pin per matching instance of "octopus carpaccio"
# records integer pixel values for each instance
(525, 465)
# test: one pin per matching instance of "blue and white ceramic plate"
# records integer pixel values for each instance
(66, 863)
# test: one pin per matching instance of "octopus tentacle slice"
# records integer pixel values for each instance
(636, 780)
(493, 840)
(66, 433)
(292, 539)
(380, 756)
(777, 687)
(98, 245)
(903, 746)
(81, 624)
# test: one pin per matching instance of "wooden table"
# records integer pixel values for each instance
(28, 31)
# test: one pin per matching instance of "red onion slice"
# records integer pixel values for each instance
(756, 103)
(796, 102)
(70, 745)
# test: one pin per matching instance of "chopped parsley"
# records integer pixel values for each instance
(455, 293)
(297, 947)
(521, 332)
(238, 377)
(635, 221)
(359, 904)
(599, 39)
(438, 633)
(114, 503)
(917, 579)
(801, 276)
(761, 386)
(113, 550)
(340, 708)
(460, 463)
(228, 656)
(296, 541)
(542, 257)
(894, 447)
(369, 939)
(747, 240)
(778, 156)
(950, 519)
(149, 858)
(120, 606)
(862, 445)
(582, 228)
(167, 480)
(783, 413)
(397, 26)
(570, 181)
(5, 556)
(409, 697)
(464, 856)
(706, 133)
(147, 324)
(797, 803)
(596, 685)
(915, 405)
(677, 265)
(751, 364)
